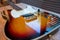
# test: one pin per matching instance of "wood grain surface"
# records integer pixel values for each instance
(2, 25)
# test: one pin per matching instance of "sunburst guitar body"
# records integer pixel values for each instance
(16, 29)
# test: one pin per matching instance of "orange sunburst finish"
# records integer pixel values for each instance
(17, 29)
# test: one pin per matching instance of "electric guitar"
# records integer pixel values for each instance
(23, 24)
(16, 28)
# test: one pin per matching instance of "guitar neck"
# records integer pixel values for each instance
(13, 5)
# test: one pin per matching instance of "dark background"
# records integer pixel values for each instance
(52, 5)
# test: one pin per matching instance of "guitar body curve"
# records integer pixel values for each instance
(16, 29)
